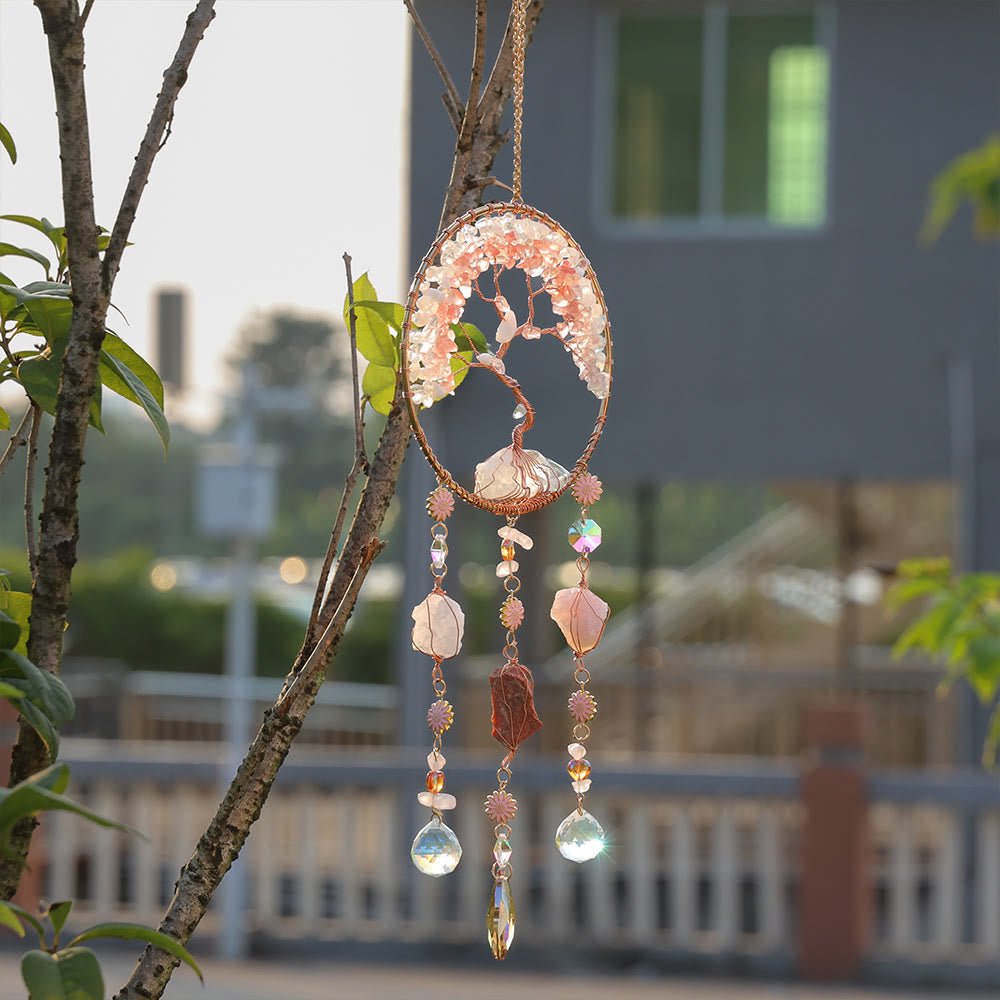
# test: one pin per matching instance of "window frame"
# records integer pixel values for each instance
(710, 220)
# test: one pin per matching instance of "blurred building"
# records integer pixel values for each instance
(749, 181)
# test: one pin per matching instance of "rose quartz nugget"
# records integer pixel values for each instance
(437, 800)
(517, 537)
(581, 615)
(438, 626)
(576, 750)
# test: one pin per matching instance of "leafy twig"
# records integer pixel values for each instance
(359, 465)
(29, 486)
(453, 102)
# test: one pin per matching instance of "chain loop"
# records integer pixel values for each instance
(518, 15)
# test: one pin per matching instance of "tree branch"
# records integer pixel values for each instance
(19, 437)
(29, 487)
(487, 140)
(453, 102)
(156, 132)
(359, 465)
(90, 294)
(225, 836)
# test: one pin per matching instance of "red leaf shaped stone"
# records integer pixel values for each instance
(512, 689)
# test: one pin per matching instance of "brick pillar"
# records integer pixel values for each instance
(29, 892)
(835, 894)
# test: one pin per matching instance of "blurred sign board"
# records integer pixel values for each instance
(236, 498)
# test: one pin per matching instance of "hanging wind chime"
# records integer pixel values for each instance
(466, 261)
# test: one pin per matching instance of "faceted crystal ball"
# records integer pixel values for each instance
(584, 535)
(436, 850)
(580, 837)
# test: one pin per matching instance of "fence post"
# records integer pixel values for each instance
(834, 887)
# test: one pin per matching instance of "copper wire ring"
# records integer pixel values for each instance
(529, 504)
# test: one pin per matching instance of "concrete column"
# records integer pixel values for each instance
(835, 887)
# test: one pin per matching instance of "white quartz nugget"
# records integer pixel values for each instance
(438, 626)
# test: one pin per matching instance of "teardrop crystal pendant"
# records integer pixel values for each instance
(436, 850)
(500, 919)
(580, 837)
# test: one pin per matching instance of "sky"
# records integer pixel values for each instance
(288, 148)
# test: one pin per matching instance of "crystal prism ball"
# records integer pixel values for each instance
(439, 349)
(436, 850)
(580, 837)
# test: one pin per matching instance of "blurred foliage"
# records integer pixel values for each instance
(973, 177)
(960, 628)
(118, 614)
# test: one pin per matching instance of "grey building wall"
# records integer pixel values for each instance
(782, 354)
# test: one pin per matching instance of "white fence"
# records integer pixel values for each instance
(701, 862)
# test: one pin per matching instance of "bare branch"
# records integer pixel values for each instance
(359, 465)
(19, 437)
(352, 319)
(482, 182)
(29, 487)
(224, 838)
(156, 132)
(315, 666)
(82, 23)
(455, 105)
(477, 159)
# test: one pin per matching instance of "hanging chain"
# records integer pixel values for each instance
(518, 13)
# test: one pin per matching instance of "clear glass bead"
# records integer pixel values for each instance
(580, 837)
(439, 552)
(520, 412)
(502, 851)
(436, 850)
(584, 535)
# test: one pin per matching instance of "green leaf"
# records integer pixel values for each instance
(10, 692)
(45, 690)
(52, 315)
(984, 673)
(8, 250)
(41, 724)
(142, 395)
(77, 976)
(18, 605)
(27, 798)
(58, 912)
(7, 141)
(939, 566)
(931, 631)
(471, 334)
(460, 366)
(40, 378)
(373, 337)
(379, 384)
(392, 312)
(117, 348)
(30, 918)
(8, 918)
(10, 631)
(139, 932)
(55, 236)
(4, 419)
(909, 589)
(41, 975)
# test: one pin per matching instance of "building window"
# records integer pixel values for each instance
(720, 116)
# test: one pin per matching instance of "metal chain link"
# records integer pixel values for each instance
(518, 10)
